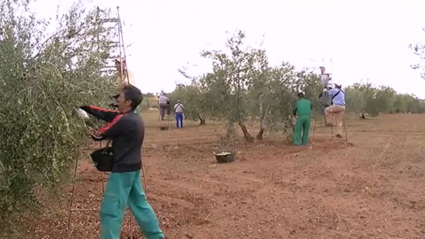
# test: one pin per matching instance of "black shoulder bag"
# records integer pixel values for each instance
(103, 158)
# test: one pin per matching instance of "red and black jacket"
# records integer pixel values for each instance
(127, 131)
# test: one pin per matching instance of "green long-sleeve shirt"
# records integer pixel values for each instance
(303, 107)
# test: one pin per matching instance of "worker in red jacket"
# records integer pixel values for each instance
(126, 130)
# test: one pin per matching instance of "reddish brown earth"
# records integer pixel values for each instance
(373, 188)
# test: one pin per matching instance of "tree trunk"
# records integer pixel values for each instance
(201, 120)
(263, 118)
(245, 132)
(260, 134)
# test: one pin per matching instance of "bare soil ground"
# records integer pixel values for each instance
(371, 189)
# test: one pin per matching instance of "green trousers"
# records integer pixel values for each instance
(125, 189)
(302, 127)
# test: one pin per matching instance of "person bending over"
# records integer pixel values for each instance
(302, 126)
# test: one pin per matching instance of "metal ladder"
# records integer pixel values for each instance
(118, 44)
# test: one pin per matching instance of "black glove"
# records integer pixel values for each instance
(96, 138)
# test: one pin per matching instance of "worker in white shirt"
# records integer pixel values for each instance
(337, 109)
(164, 105)
(178, 109)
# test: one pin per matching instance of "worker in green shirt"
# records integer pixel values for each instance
(303, 108)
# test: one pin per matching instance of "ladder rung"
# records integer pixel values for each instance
(114, 45)
(107, 70)
(109, 20)
(109, 66)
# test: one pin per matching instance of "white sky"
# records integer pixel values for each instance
(354, 39)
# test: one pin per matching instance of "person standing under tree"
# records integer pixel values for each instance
(303, 108)
(178, 109)
(126, 130)
(335, 113)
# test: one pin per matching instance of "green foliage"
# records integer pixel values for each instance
(42, 83)
(228, 81)
(194, 101)
(146, 102)
(365, 98)
(242, 87)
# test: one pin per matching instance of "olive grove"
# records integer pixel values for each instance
(364, 98)
(43, 79)
(242, 88)
(45, 76)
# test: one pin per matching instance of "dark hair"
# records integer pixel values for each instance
(133, 94)
(300, 95)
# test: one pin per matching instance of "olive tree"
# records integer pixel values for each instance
(384, 99)
(43, 78)
(354, 99)
(366, 98)
(228, 81)
(273, 91)
(194, 101)
(360, 98)
(242, 87)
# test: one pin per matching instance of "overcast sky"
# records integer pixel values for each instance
(354, 39)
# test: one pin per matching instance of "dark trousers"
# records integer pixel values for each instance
(163, 110)
(179, 119)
